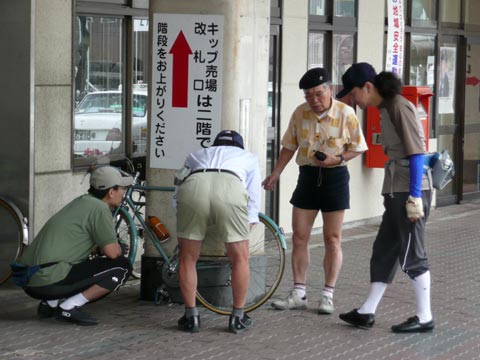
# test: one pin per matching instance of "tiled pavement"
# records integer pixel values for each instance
(134, 329)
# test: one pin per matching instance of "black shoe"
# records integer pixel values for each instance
(364, 321)
(76, 316)
(413, 324)
(237, 325)
(190, 324)
(45, 311)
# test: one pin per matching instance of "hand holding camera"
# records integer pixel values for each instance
(320, 155)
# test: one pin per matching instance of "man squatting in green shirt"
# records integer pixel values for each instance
(67, 240)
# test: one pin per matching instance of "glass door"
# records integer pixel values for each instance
(448, 117)
(471, 145)
(273, 120)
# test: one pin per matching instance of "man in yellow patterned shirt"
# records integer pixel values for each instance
(330, 129)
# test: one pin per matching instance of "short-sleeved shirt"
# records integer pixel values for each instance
(335, 132)
(402, 135)
(69, 237)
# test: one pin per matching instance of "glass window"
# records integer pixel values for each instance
(343, 45)
(331, 40)
(98, 60)
(471, 161)
(139, 129)
(345, 8)
(423, 10)
(317, 7)
(422, 61)
(316, 50)
(450, 11)
(100, 122)
(446, 82)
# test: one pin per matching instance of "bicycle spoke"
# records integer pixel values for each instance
(267, 261)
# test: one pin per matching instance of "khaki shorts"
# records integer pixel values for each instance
(212, 205)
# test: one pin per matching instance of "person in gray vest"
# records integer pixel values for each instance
(68, 241)
(407, 198)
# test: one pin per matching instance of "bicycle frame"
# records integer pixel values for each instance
(269, 257)
(136, 205)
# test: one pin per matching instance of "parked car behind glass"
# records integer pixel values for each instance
(98, 123)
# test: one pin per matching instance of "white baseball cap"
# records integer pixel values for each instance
(106, 177)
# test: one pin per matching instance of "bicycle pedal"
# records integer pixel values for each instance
(161, 295)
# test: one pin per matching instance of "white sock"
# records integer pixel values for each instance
(328, 291)
(74, 301)
(373, 299)
(300, 290)
(421, 285)
(52, 303)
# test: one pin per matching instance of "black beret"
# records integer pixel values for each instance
(314, 77)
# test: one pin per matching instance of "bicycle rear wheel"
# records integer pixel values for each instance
(267, 263)
(11, 238)
(127, 234)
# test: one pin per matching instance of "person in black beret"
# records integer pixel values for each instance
(325, 134)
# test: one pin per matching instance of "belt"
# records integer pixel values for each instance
(215, 170)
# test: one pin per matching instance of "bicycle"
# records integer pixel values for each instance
(267, 254)
(14, 236)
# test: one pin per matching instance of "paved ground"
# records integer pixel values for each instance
(134, 329)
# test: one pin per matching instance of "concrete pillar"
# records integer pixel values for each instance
(245, 79)
(245, 87)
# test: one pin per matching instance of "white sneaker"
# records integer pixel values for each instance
(291, 302)
(326, 305)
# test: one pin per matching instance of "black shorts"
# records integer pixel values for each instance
(107, 273)
(325, 189)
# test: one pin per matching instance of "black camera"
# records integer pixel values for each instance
(320, 155)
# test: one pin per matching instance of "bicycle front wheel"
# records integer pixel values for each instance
(127, 234)
(267, 263)
(11, 238)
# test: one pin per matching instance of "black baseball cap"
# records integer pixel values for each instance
(313, 77)
(229, 138)
(356, 76)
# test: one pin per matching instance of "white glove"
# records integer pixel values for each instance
(414, 208)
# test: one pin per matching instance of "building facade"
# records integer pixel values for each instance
(76, 88)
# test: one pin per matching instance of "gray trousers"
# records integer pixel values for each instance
(399, 241)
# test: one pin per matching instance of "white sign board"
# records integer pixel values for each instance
(140, 25)
(186, 89)
(395, 37)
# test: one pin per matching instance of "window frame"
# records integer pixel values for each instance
(330, 25)
(120, 9)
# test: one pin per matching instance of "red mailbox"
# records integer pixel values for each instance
(420, 97)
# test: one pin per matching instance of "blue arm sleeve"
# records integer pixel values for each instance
(416, 174)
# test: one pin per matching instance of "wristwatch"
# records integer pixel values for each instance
(342, 160)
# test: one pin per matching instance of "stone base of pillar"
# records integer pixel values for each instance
(214, 283)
